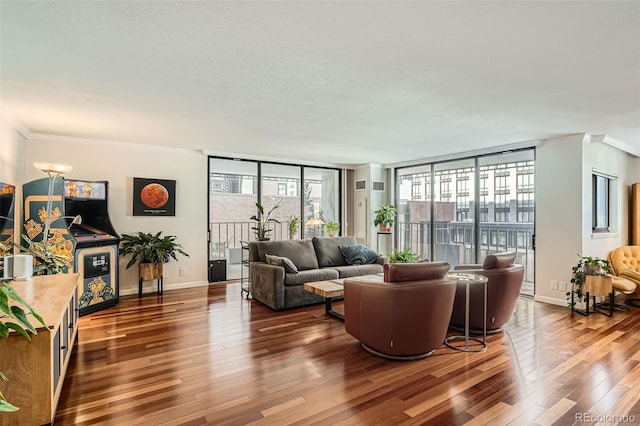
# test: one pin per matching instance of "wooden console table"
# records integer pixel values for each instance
(36, 368)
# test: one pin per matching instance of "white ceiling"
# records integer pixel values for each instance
(335, 82)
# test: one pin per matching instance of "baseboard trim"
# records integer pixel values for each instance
(149, 287)
(550, 300)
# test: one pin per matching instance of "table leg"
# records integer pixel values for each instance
(329, 311)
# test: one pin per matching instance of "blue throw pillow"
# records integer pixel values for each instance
(358, 254)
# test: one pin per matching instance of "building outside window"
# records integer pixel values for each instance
(601, 202)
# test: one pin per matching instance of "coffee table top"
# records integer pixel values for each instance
(335, 288)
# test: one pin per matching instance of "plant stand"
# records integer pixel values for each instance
(594, 286)
(149, 272)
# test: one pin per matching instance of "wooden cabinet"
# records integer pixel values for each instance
(36, 368)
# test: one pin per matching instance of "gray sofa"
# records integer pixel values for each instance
(316, 260)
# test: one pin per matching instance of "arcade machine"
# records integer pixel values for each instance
(96, 252)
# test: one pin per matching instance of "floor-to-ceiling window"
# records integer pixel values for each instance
(460, 211)
(301, 193)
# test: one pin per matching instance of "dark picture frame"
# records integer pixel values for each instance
(154, 197)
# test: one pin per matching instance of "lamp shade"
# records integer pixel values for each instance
(315, 221)
(58, 169)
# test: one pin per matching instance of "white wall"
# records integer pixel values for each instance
(558, 183)
(119, 163)
(12, 154)
(367, 202)
(563, 197)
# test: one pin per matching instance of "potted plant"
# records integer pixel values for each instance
(262, 221)
(15, 318)
(294, 226)
(385, 216)
(403, 256)
(51, 259)
(331, 228)
(150, 251)
(586, 265)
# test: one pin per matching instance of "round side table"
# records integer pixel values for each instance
(469, 280)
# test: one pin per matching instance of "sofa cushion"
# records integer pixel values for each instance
(358, 270)
(300, 252)
(285, 262)
(310, 275)
(359, 254)
(328, 250)
(499, 260)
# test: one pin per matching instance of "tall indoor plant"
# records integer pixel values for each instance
(385, 216)
(150, 251)
(262, 221)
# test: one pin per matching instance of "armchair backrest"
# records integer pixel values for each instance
(503, 288)
(625, 257)
(396, 272)
(404, 317)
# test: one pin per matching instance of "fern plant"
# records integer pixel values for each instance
(403, 256)
(144, 247)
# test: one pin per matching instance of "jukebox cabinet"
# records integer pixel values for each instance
(96, 248)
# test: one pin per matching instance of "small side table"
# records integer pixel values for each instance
(468, 280)
(593, 286)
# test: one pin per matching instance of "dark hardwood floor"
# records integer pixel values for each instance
(207, 356)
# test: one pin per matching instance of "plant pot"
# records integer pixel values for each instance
(592, 269)
(384, 228)
(150, 271)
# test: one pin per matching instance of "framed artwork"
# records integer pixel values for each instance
(154, 197)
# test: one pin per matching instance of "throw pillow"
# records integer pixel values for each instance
(358, 254)
(285, 262)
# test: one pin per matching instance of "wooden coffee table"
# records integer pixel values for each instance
(332, 289)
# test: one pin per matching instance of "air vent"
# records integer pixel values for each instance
(377, 186)
(361, 185)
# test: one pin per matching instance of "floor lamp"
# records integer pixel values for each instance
(53, 171)
(315, 222)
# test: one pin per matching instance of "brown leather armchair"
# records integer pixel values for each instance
(404, 318)
(503, 288)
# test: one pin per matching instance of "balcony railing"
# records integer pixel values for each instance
(454, 241)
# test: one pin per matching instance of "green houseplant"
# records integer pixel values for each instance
(385, 216)
(48, 260)
(262, 221)
(586, 265)
(331, 228)
(294, 226)
(150, 251)
(14, 318)
(403, 256)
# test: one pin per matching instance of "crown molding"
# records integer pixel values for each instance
(45, 137)
(622, 146)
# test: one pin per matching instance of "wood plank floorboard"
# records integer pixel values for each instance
(207, 355)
